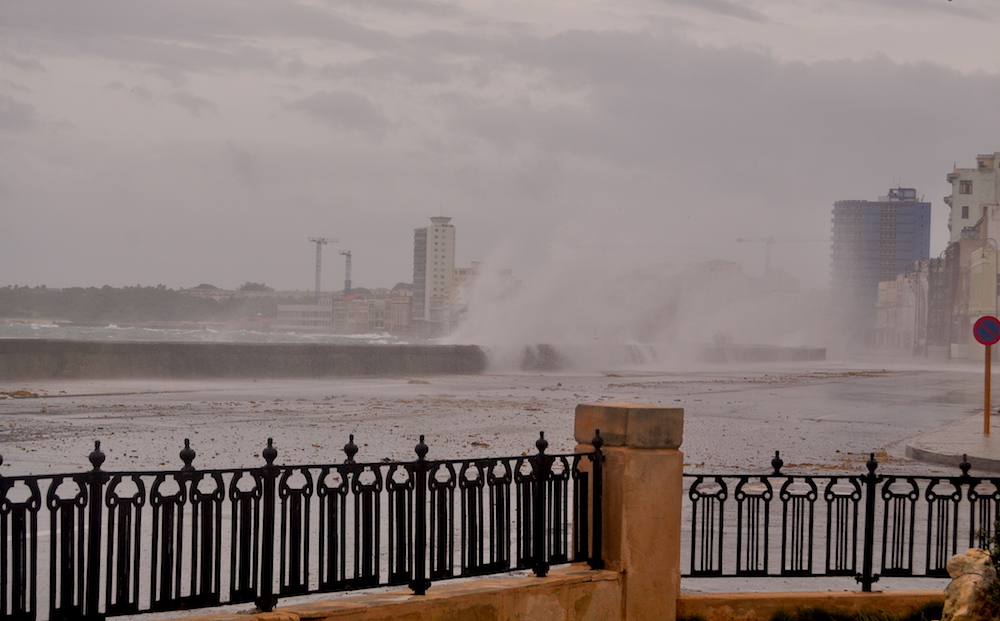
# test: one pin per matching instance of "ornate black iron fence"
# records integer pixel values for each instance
(835, 525)
(97, 544)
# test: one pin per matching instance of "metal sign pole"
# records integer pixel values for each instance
(986, 396)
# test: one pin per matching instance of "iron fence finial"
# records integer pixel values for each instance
(351, 449)
(965, 466)
(97, 456)
(598, 441)
(872, 464)
(421, 449)
(187, 455)
(777, 463)
(541, 443)
(270, 453)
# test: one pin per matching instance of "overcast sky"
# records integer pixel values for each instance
(202, 141)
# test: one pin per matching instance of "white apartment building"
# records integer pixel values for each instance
(972, 191)
(433, 271)
(901, 311)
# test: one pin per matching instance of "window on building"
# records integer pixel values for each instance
(965, 212)
(965, 187)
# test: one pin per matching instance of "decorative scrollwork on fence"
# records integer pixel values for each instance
(909, 526)
(124, 543)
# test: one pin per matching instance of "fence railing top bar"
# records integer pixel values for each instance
(958, 479)
(188, 455)
(871, 466)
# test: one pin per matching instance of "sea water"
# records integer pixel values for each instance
(18, 330)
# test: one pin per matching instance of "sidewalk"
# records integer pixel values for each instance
(947, 444)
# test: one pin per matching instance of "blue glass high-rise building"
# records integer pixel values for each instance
(874, 241)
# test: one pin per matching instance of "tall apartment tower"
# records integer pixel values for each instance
(433, 270)
(972, 191)
(874, 241)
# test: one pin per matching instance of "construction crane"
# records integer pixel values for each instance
(320, 241)
(347, 273)
(770, 241)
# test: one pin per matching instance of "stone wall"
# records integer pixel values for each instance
(763, 606)
(576, 593)
(38, 359)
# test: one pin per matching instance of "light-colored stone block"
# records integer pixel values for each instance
(635, 425)
(651, 536)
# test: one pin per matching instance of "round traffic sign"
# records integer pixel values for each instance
(987, 330)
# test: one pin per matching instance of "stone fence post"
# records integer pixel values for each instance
(642, 500)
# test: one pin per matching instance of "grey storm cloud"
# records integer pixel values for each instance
(16, 115)
(724, 8)
(963, 9)
(409, 69)
(243, 163)
(21, 62)
(194, 35)
(343, 109)
(273, 121)
(198, 106)
(184, 20)
(649, 98)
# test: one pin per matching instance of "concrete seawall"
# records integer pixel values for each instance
(38, 358)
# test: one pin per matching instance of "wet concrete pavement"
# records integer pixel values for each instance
(964, 439)
(821, 416)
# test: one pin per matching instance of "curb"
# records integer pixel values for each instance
(920, 453)
(946, 445)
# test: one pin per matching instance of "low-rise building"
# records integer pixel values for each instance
(308, 317)
(351, 315)
(901, 311)
(397, 320)
(209, 292)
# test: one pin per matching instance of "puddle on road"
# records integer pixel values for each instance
(959, 397)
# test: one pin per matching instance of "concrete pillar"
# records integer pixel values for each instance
(642, 500)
